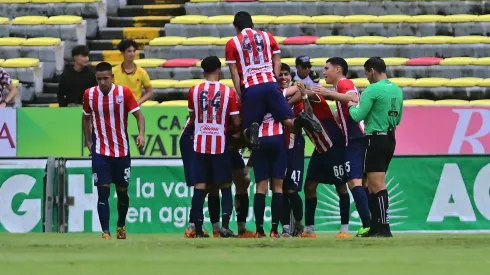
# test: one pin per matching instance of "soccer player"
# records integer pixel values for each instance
(304, 73)
(381, 106)
(105, 122)
(254, 62)
(326, 164)
(131, 75)
(212, 106)
(334, 72)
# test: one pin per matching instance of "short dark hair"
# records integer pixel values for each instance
(285, 67)
(126, 44)
(80, 50)
(210, 64)
(243, 20)
(339, 61)
(375, 63)
(103, 67)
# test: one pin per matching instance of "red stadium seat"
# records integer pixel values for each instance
(300, 40)
(181, 62)
(424, 61)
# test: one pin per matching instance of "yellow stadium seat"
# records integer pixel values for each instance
(4, 21)
(150, 103)
(200, 40)
(290, 19)
(167, 41)
(430, 82)
(464, 82)
(15, 82)
(1, 62)
(205, 1)
(480, 102)
(451, 102)
(318, 61)
(334, 40)
(163, 83)
(431, 18)
(325, 19)
(403, 81)
(417, 102)
(220, 19)
(188, 83)
(358, 18)
(222, 60)
(29, 20)
(483, 18)
(174, 103)
(470, 39)
(12, 41)
(263, 19)
(290, 61)
(222, 41)
(14, 1)
(367, 40)
(484, 61)
(440, 39)
(43, 41)
(360, 82)
(227, 82)
(459, 18)
(280, 39)
(398, 18)
(81, 1)
(395, 61)
(356, 61)
(21, 63)
(457, 61)
(401, 40)
(188, 19)
(150, 62)
(53, 105)
(63, 20)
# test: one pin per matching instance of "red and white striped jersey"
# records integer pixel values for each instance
(351, 128)
(291, 137)
(212, 103)
(110, 118)
(269, 126)
(252, 52)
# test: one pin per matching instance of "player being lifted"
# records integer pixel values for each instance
(211, 106)
(105, 122)
(335, 72)
(254, 61)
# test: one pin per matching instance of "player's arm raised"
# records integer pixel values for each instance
(87, 121)
(307, 95)
(133, 108)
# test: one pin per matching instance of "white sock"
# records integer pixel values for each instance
(191, 226)
(310, 229)
(285, 229)
(344, 228)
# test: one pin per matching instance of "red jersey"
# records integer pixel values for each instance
(350, 128)
(212, 103)
(291, 137)
(330, 130)
(110, 118)
(252, 52)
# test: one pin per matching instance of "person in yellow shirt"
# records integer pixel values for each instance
(131, 75)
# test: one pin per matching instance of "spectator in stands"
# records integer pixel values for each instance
(6, 82)
(131, 75)
(75, 80)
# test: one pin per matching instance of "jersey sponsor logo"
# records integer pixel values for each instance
(119, 99)
(209, 130)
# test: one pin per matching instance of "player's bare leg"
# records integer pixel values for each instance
(122, 210)
(241, 179)
(310, 208)
(227, 206)
(103, 209)
(277, 206)
(344, 206)
(259, 207)
(361, 200)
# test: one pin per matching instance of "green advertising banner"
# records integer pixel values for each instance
(21, 195)
(426, 194)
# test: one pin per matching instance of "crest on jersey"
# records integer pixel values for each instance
(119, 99)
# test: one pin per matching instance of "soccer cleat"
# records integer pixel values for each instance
(286, 235)
(309, 123)
(216, 232)
(362, 231)
(254, 135)
(275, 235)
(106, 236)
(227, 233)
(189, 234)
(342, 235)
(299, 228)
(308, 235)
(121, 232)
(205, 233)
(260, 235)
(246, 234)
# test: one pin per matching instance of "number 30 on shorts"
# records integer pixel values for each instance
(338, 170)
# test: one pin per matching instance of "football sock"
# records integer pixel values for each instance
(197, 206)
(310, 205)
(259, 209)
(286, 211)
(361, 200)
(344, 205)
(247, 133)
(122, 207)
(242, 208)
(373, 208)
(296, 206)
(227, 206)
(344, 228)
(213, 208)
(103, 207)
(383, 204)
(367, 192)
(276, 209)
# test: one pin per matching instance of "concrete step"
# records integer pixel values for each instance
(99, 45)
(112, 55)
(139, 21)
(152, 10)
(131, 33)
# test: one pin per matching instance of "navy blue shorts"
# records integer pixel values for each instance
(109, 170)
(354, 159)
(212, 169)
(327, 167)
(237, 161)
(261, 99)
(271, 159)
(296, 165)
(186, 144)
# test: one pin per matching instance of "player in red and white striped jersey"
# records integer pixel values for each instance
(335, 72)
(105, 122)
(212, 106)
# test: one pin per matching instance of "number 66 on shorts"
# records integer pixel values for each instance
(339, 170)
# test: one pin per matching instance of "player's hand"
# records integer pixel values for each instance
(351, 103)
(320, 90)
(301, 87)
(140, 141)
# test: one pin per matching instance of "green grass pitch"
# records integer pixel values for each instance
(155, 254)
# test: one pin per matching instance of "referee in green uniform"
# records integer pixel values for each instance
(381, 107)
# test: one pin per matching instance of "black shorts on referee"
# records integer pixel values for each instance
(380, 148)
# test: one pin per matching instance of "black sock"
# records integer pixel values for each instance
(103, 208)
(122, 207)
(344, 205)
(259, 209)
(227, 206)
(196, 208)
(310, 205)
(383, 205)
(296, 206)
(242, 208)
(213, 208)
(247, 133)
(286, 211)
(361, 200)
(276, 209)
(373, 208)
(367, 191)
